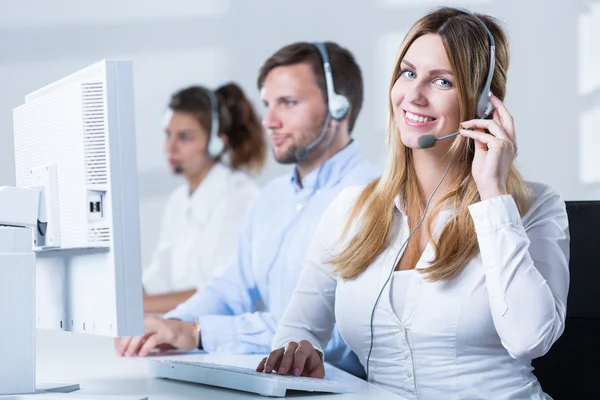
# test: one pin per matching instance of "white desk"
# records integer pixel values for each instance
(90, 361)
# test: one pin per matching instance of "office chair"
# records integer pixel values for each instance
(571, 369)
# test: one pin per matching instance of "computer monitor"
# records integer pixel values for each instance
(75, 143)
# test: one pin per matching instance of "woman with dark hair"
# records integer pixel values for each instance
(212, 140)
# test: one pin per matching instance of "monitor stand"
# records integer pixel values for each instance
(56, 388)
(17, 319)
(47, 396)
(55, 391)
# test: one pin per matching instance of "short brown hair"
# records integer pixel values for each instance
(347, 76)
(247, 147)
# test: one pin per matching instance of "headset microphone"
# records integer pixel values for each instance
(429, 140)
(303, 151)
(178, 170)
(338, 105)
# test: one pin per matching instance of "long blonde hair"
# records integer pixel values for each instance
(467, 46)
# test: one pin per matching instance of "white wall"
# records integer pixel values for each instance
(553, 93)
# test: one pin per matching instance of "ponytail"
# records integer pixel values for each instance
(247, 147)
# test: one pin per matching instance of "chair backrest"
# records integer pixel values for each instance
(571, 369)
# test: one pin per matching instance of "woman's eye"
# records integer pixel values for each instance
(443, 82)
(408, 73)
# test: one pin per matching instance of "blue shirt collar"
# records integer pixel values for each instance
(329, 172)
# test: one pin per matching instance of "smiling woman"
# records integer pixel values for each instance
(455, 301)
(426, 93)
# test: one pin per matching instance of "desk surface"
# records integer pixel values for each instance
(90, 361)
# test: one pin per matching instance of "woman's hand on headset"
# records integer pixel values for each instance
(494, 151)
(299, 359)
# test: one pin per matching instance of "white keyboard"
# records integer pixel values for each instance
(238, 378)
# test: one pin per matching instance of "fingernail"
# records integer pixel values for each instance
(281, 371)
(268, 369)
(297, 371)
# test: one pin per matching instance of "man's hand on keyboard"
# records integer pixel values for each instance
(159, 334)
(297, 359)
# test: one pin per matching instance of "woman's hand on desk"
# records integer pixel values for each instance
(295, 359)
(159, 334)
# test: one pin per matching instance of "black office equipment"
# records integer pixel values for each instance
(571, 369)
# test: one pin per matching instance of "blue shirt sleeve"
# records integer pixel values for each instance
(246, 333)
(224, 307)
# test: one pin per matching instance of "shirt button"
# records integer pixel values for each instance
(409, 373)
(299, 206)
(318, 191)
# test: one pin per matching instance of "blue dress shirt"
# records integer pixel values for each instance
(270, 255)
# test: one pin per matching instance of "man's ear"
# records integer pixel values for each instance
(335, 123)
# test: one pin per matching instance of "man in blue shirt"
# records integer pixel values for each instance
(310, 127)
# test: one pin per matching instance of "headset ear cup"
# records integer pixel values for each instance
(215, 143)
(340, 107)
(215, 146)
(489, 109)
(337, 105)
(484, 106)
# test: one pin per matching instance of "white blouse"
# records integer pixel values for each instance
(199, 232)
(401, 281)
(470, 338)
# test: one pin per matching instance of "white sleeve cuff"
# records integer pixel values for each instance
(492, 214)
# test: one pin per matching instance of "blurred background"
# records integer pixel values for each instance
(553, 84)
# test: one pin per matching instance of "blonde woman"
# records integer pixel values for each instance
(449, 274)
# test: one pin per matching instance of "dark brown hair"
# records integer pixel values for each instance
(347, 76)
(247, 147)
